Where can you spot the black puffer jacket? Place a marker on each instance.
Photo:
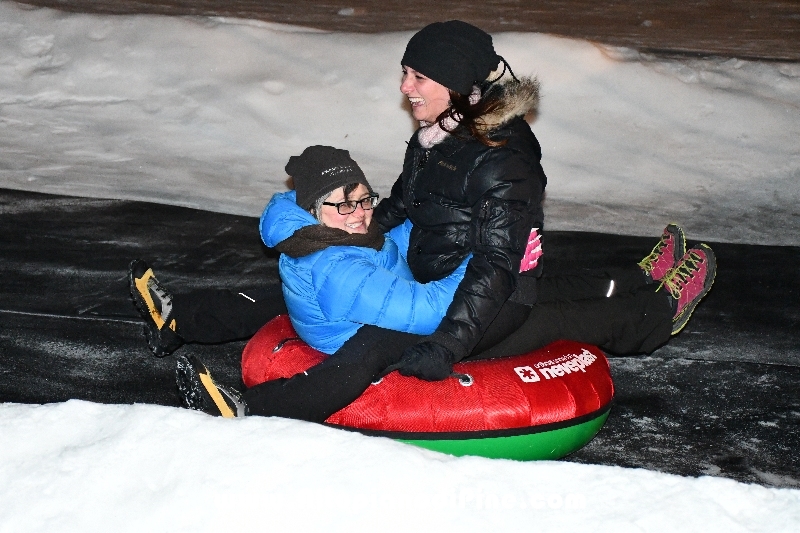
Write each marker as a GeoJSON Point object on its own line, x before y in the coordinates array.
{"type": "Point", "coordinates": [465, 197]}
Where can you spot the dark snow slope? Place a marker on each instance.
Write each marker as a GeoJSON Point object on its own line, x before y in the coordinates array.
{"type": "Point", "coordinates": [721, 398]}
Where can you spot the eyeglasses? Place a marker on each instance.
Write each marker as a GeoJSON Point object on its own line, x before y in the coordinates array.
{"type": "Point", "coordinates": [350, 206]}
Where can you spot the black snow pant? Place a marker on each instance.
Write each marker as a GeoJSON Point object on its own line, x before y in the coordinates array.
{"type": "Point", "coordinates": [323, 389]}
{"type": "Point", "coordinates": [626, 316]}
{"type": "Point", "coordinates": [620, 312]}
{"type": "Point", "coordinates": [211, 316]}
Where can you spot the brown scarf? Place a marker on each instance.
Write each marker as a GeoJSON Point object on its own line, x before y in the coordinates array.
{"type": "Point", "coordinates": [310, 239]}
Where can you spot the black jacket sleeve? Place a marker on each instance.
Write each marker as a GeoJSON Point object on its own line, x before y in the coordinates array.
{"type": "Point", "coordinates": [391, 211]}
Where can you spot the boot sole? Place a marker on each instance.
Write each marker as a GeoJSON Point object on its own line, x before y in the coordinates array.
{"type": "Point", "coordinates": [198, 390]}
{"type": "Point", "coordinates": [139, 300]}
{"type": "Point", "coordinates": [679, 237]}
{"type": "Point", "coordinates": [680, 241]}
{"type": "Point", "coordinates": [189, 386]}
{"type": "Point", "coordinates": [159, 346]}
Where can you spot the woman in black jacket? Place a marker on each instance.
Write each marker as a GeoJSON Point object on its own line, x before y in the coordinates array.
{"type": "Point", "coordinates": [472, 183]}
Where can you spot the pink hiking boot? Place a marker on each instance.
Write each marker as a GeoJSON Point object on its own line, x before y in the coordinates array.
{"type": "Point", "coordinates": [665, 254]}
{"type": "Point", "coordinates": [689, 281]}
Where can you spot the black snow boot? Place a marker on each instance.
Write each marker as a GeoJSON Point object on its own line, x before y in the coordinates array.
{"type": "Point", "coordinates": [200, 392]}
{"type": "Point", "coordinates": [154, 303]}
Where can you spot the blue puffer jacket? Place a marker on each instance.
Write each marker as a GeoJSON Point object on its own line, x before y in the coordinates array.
{"type": "Point", "coordinates": [333, 292]}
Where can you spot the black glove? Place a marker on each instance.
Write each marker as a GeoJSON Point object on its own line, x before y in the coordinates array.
{"type": "Point", "coordinates": [426, 360]}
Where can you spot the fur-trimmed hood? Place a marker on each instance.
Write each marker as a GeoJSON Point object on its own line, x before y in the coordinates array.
{"type": "Point", "coordinates": [519, 98]}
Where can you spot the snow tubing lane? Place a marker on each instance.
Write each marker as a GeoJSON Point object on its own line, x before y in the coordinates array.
{"type": "Point", "coordinates": [541, 405]}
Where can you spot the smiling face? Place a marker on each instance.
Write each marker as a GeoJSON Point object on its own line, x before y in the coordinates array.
{"type": "Point", "coordinates": [428, 98]}
{"type": "Point", "coordinates": [356, 222]}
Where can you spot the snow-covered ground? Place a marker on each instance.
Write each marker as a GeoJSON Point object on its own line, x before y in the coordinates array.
{"type": "Point", "coordinates": [86, 467]}
{"type": "Point", "coordinates": [205, 113]}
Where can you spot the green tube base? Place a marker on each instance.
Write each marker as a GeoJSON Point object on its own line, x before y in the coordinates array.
{"type": "Point", "coordinates": [543, 445]}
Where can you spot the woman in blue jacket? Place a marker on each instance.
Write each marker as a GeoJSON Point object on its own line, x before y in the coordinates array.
{"type": "Point", "coordinates": [332, 288]}
{"type": "Point", "coordinates": [340, 275]}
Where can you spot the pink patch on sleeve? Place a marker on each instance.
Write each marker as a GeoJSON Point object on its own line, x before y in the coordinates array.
{"type": "Point", "coordinates": [532, 252]}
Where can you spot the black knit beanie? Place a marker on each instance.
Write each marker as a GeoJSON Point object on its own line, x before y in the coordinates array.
{"type": "Point", "coordinates": [453, 53]}
{"type": "Point", "coordinates": [319, 170]}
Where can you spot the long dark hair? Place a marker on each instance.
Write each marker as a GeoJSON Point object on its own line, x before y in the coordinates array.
{"type": "Point", "coordinates": [471, 116]}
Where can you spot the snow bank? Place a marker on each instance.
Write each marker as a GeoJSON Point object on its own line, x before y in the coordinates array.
{"type": "Point", "coordinates": [205, 113]}
{"type": "Point", "coordinates": [80, 466]}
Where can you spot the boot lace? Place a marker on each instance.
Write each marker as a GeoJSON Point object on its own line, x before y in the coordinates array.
{"type": "Point", "coordinates": [648, 263]}
{"type": "Point", "coordinates": [676, 279]}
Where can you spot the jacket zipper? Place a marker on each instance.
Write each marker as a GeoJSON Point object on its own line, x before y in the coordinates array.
{"type": "Point", "coordinates": [420, 164]}
{"type": "Point", "coordinates": [484, 216]}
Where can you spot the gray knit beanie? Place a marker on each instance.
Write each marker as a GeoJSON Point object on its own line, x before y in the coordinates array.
{"type": "Point", "coordinates": [319, 170]}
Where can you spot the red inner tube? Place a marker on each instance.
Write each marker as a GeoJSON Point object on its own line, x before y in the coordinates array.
{"type": "Point", "coordinates": [561, 382]}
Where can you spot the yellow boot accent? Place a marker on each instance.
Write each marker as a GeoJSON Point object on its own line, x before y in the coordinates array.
{"type": "Point", "coordinates": [172, 325]}
{"type": "Point", "coordinates": [219, 401]}
{"type": "Point", "coordinates": [144, 292]}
